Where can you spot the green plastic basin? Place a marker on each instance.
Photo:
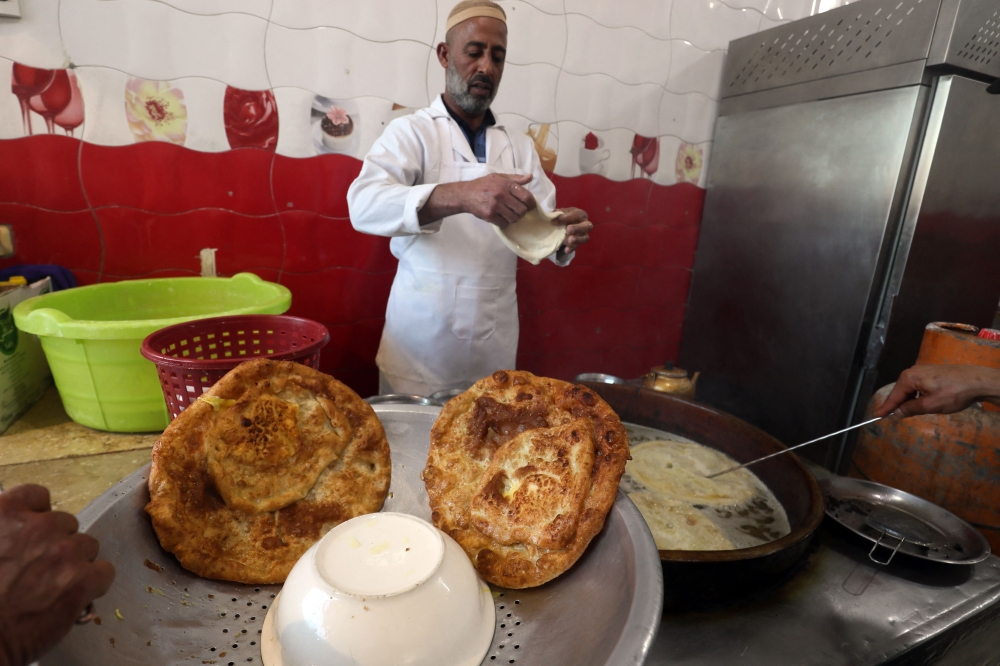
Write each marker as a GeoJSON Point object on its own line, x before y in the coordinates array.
{"type": "Point", "coordinates": [92, 335]}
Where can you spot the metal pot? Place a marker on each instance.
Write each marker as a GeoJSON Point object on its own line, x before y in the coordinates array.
{"type": "Point", "coordinates": [692, 576]}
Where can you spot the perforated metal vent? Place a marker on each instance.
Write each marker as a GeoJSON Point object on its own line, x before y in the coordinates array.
{"type": "Point", "coordinates": [983, 46]}
{"type": "Point", "coordinates": [853, 38]}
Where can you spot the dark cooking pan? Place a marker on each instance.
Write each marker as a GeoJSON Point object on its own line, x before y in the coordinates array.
{"type": "Point", "coordinates": [694, 576]}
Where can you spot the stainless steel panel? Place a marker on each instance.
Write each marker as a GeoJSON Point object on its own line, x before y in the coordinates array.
{"type": "Point", "coordinates": [968, 36]}
{"type": "Point", "coordinates": [789, 258]}
{"type": "Point", "coordinates": [952, 270]}
{"type": "Point", "coordinates": [857, 37]}
{"type": "Point", "coordinates": [884, 78]}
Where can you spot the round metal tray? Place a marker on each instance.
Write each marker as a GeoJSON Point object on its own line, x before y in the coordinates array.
{"type": "Point", "coordinates": [604, 611]}
{"type": "Point", "coordinates": [900, 522]}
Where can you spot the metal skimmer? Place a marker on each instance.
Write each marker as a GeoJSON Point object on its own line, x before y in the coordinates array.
{"type": "Point", "coordinates": [604, 611]}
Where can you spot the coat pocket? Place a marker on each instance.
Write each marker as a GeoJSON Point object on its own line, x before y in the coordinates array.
{"type": "Point", "coordinates": [475, 312]}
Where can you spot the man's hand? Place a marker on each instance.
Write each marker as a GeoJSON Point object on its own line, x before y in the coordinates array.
{"type": "Point", "coordinates": [497, 198]}
{"type": "Point", "coordinates": [578, 228]}
{"type": "Point", "coordinates": [47, 574]}
{"type": "Point", "coordinates": [941, 389]}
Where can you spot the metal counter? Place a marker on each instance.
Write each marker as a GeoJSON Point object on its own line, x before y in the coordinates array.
{"type": "Point", "coordinates": [840, 608]}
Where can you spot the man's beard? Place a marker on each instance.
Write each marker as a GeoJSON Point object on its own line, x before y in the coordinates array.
{"type": "Point", "coordinates": [473, 105]}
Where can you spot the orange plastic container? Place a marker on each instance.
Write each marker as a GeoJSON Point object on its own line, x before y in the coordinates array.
{"type": "Point", "coordinates": [952, 460]}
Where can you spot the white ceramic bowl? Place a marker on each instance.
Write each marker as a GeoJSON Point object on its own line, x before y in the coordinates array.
{"type": "Point", "coordinates": [385, 589]}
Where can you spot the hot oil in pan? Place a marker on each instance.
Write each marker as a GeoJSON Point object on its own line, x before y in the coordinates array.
{"type": "Point", "coordinates": [752, 522]}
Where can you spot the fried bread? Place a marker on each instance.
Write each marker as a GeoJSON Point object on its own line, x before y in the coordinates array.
{"type": "Point", "coordinates": [521, 472]}
{"type": "Point", "coordinates": [260, 467]}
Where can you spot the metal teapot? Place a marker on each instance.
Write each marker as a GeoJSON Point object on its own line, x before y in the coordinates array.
{"type": "Point", "coordinates": [668, 379]}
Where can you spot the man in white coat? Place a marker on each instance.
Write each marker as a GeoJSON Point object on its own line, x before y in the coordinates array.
{"type": "Point", "coordinates": [436, 181]}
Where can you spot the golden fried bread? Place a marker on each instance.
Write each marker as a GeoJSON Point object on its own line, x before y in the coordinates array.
{"type": "Point", "coordinates": [255, 471]}
{"type": "Point", "coordinates": [522, 471]}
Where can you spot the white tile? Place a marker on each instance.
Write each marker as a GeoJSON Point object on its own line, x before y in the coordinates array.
{"type": "Point", "coordinates": [103, 93]}
{"type": "Point", "coordinates": [627, 54]}
{"type": "Point", "coordinates": [792, 10]}
{"type": "Point", "coordinates": [528, 90]}
{"type": "Point", "coordinates": [695, 70]}
{"type": "Point", "coordinates": [690, 117]}
{"type": "Point", "coordinates": [434, 77]}
{"type": "Point", "coordinates": [759, 5]}
{"type": "Point", "coordinates": [204, 99]}
{"type": "Point", "coordinates": [34, 38]}
{"type": "Point", "coordinates": [601, 102]}
{"type": "Point", "coordinates": [338, 64]}
{"type": "Point", "coordinates": [768, 23]}
{"type": "Point", "coordinates": [652, 16]}
{"type": "Point", "coordinates": [375, 20]}
{"type": "Point", "coordinates": [261, 8]}
{"type": "Point", "coordinates": [555, 7]}
{"type": "Point", "coordinates": [155, 41]}
{"type": "Point", "coordinates": [534, 36]}
{"type": "Point", "coordinates": [294, 107]}
{"type": "Point", "coordinates": [11, 124]}
{"type": "Point", "coordinates": [710, 24]}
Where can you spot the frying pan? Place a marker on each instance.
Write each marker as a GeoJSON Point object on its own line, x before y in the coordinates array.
{"type": "Point", "coordinates": [692, 577]}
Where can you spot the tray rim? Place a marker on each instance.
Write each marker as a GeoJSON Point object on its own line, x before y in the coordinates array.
{"type": "Point", "coordinates": [645, 611]}
{"type": "Point", "coordinates": [865, 489]}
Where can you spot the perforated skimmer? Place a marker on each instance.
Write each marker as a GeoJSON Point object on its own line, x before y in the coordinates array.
{"type": "Point", "coordinates": [604, 611]}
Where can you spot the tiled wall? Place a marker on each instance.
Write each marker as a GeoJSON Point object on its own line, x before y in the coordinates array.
{"type": "Point", "coordinates": [184, 124]}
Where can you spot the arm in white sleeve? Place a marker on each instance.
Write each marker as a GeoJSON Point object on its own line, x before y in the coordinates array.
{"type": "Point", "coordinates": [389, 192]}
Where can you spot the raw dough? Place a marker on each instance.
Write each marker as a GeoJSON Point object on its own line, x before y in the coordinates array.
{"type": "Point", "coordinates": [533, 237]}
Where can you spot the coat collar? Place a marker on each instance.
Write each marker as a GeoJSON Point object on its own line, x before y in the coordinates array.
{"type": "Point", "coordinates": [494, 145]}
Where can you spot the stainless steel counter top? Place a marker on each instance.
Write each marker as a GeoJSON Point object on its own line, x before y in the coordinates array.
{"type": "Point", "coordinates": [842, 609]}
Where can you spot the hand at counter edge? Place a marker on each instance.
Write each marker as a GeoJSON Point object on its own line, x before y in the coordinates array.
{"type": "Point", "coordinates": [941, 389]}
{"type": "Point", "coordinates": [49, 573]}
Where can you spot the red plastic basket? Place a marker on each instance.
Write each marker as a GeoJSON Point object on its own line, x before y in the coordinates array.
{"type": "Point", "coordinates": [192, 356]}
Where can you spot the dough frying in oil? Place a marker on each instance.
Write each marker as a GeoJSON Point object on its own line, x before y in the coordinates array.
{"type": "Point", "coordinates": [677, 526]}
{"type": "Point", "coordinates": [676, 471]}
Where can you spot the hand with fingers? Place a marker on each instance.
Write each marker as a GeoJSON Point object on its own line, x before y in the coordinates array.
{"type": "Point", "coordinates": [498, 198]}
{"type": "Point", "coordinates": [941, 389]}
{"type": "Point", "coordinates": [578, 228]}
{"type": "Point", "coordinates": [49, 574]}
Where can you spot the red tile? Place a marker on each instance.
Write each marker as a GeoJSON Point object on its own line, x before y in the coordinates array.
{"type": "Point", "coordinates": [354, 345]}
{"type": "Point", "coordinates": [159, 177]}
{"type": "Point", "coordinates": [339, 295]}
{"type": "Point", "coordinates": [606, 200]}
{"type": "Point", "coordinates": [663, 286]}
{"type": "Point", "coordinates": [548, 286]}
{"type": "Point", "coordinates": [318, 184]}
{"type": "Point", "coordinates": [42, 171]}
{"type": "Point", "coordinates": [315, 243]}
{"type": "Point", "coordinates": [138, 243]}
{"type": "Point", "coordinates": [678, 206]}
{"type": "Point", "coordinates": [363, 381]}
{"type": "Point", "coordinates": [670, 246]}
{"type": "Point", "coordinates": [614, 244]}
{"type": "Point", "coordinates": [84, 278]}
{"type": "Point", "coordinates": [48, 237]}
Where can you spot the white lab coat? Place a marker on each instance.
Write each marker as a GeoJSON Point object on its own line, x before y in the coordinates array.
{"type": "Point", "coordinates": [452, 312]}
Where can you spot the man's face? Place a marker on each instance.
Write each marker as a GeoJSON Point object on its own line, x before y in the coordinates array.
{"type": "Point", "coordinates": [474, 57]}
